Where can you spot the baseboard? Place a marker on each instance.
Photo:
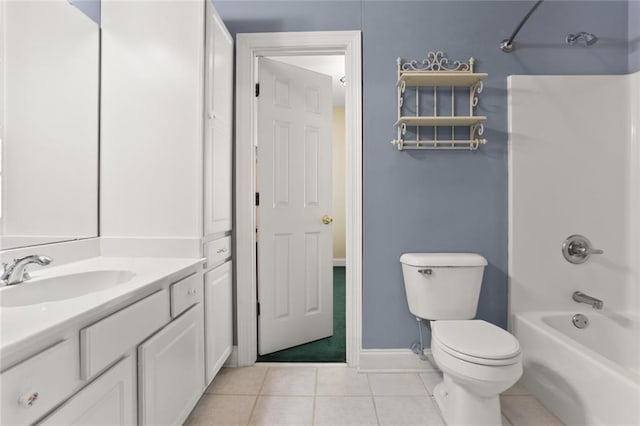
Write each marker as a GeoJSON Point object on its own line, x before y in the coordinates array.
{"type": "Point", "coordinates": [339, 262]}
{"type": "Point", "coordinates": [232, 360]}
{"type": "Point", "coordinates": [395, 360]}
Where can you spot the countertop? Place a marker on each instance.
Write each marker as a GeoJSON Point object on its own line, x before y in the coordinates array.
{"type": "Point", "coordinates": [21, 325]}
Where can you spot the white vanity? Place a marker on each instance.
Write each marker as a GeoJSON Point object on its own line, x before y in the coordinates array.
{"type": "Point", "coordinates": [133, 322]}
{"type": "Point", "coordinates": [129, 352]}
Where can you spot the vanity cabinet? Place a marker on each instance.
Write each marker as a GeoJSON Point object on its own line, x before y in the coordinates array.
{"type": "Point", "coordinates": [218, 317]}
{"type": "Point", "coordinates": [144, 363]}
{"type": "Point", "coordinates": [33, 387]}
{"type": "Point", "coordinates": [171, 370]}
{"type": "Point", "coordinates": [108, 400]}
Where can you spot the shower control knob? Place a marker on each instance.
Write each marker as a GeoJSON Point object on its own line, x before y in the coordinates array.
{"type": "Point", "coordinates": [577, 249]}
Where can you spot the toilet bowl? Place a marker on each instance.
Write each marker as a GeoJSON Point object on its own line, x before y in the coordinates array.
{"type": "Point", "coordinates": [478, 360]}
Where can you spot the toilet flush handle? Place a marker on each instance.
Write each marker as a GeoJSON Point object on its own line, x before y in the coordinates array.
{"type": "Point", "coordinates": [427, 271]}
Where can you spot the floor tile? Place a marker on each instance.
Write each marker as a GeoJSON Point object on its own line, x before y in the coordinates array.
{"type": "Point", "coordinates": [291, 381]}
{"type": "Point", "coordinates": [407, 410]}
{"type": "Point", "coordinates": [283, 410]}
{"type": "Point", "coordinates": [238, 381]}
{"type": "Point", "coordinates": [344, 410]}
{"type": "Point", "coordinates": [227, 410]}
{"type": "Point", "coordinates": [342, 381]}
{"type": "Point", "coordinates": [517, 389]}
{"type": "Point", "coordinates": [431, 379]}
{"type": "Point", "coordinates": [527, 411]}
{"type": "Point", "coordinates": [397, 384]}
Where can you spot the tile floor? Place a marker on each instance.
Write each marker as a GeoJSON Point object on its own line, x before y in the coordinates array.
{"type": "Point", "coordinates": [337, 395]}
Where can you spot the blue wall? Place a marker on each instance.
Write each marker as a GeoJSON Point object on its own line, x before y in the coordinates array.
{"type": "Point", "coordinates": [441, 201]}
{"type": "Point", "coordinates": [634, 35]}
{"type": "Point", "coordinates": [91, 8]}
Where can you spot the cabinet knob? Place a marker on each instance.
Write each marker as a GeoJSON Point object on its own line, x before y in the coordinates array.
{"type": "Point", "coordinates": [222, 250]}
{"type": "Point", "coordinates": [28, 399]}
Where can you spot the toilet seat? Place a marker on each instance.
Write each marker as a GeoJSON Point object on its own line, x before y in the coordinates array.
{"type": "Point", "coordinates": [476, 341]}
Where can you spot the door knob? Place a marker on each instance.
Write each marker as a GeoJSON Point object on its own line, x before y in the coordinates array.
{"type": "Point", "coordinates": [326, 219]}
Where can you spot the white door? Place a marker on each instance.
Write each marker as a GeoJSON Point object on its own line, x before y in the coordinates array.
{"type": "Point", "coordinates": [294, 180]}
{"type": "Point", "coordinates": [109, 400]}
{"type": "Point", "coordinates": [171, 370]}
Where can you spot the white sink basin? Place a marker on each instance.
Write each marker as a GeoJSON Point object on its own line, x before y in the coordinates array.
{"type": "Point", "coordinates": [61, 287]}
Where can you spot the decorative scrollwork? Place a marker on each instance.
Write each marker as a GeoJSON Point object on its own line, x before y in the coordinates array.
{"type": "Point", "coordinates": [477, 130]}
{"type": "Point", "coordinates": [436, 61]}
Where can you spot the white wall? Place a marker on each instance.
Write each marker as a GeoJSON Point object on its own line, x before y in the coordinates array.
{"type": "Point", "coordinates": [151, 146]}
{"type": "Point", "coordinates": [571, 164]}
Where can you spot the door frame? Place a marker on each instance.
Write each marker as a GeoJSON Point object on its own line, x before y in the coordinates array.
{"type": "Point", "coordinates": [248, 48]}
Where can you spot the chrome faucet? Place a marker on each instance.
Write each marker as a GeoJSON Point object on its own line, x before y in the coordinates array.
{"type": "Point", "coordinates": [17, 273]}
{"type": "Point", "coordinates": [580, 297]}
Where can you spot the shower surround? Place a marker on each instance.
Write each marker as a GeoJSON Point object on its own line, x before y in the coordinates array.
{"type": "Point", "coordinates": [574, 168]}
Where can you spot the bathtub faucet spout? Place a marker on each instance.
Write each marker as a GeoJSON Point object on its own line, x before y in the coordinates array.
{"type": "Point", "coordinates": [580, 297]}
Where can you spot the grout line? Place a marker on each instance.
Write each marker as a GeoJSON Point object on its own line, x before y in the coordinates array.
{"type": "Point", "coordinates": [315, 393]}
{"type": "Point", "coordinates": [255, 403]}
{"type": "Point", "coordinates": [373, 400]}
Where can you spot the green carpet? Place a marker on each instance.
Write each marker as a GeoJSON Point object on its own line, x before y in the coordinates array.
{"type": "Point", "coordinates": [330, 349]}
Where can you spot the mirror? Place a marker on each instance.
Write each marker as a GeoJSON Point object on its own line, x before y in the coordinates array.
{"type": "Point", "coordinates": [49, 117]}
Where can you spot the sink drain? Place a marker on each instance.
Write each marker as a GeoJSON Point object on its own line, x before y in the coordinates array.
{"type": "Point", "coordinates": [580, 320]}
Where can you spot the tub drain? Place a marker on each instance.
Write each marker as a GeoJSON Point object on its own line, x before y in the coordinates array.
{"type": "Point", "coordinates": [580, 320]}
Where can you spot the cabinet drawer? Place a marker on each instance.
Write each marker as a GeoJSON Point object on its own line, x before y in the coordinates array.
{"type": "Point", "coordinates": [105, 341]}
{"type": "Point", "coordinates": [185, 293]}
{"type": "Point", "coordinates": [108, 400]}
{"type": "Point", "coordinates": [43, 381]}
{"type": "Point", "coordinates": [217, 251]}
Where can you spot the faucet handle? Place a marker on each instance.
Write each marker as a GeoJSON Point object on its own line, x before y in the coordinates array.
{"type": "Point", "coordinates": [577, 249]}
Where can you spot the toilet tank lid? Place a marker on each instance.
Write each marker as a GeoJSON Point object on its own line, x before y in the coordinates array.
{"type": "Point", "coordinates": [443, 259]}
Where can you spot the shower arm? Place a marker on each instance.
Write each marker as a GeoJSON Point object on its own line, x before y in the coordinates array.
{"type": "Point", "coordinates": [506, 45]}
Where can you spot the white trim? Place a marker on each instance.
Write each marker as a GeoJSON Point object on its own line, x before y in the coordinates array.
{"type": "Point", "coordinates": [248, 48]}
{"type": "Point", "coordinates": [509, 203]}
{"type": "Point", "coordinates": [395, 360]}
{"type": "Point", "coordinates": [339, 262]}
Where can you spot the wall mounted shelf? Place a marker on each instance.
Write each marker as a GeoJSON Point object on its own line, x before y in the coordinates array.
{"type": "Point", "coordinates": [440, 121]}
{"type": "Point", "coordinates": [428, 78]}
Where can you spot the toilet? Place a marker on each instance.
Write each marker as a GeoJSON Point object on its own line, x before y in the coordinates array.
{"type": "Point", "coordinates": [478, 360]}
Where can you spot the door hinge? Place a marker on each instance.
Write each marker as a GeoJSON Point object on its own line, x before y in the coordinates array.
{"type": "Point", "coordinates": [257, 198]}
{"type": "Point", "coordinates": [258, 308]}
{"type": "Point", "coordinates": [257, 89]}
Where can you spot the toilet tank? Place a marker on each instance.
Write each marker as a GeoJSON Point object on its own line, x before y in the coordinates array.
{"type": "Point", "coordinates": [442, 286]}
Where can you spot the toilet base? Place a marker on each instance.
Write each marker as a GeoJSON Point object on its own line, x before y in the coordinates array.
{"type": "Point", "coordinates": [459, 407]}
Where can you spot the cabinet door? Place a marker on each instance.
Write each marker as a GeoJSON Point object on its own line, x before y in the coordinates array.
{"type": "Point", "coordinates": [218, 124]}
{"type": "Point", "coordinates": [171, 370]}
{"type": "Point", "coordinates": [218, 317]}
{"type": "Point", "coordinates": [109, 400]}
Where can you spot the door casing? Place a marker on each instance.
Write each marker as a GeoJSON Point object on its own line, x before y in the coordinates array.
{"type": "Point", "coordinates": [248, 48]}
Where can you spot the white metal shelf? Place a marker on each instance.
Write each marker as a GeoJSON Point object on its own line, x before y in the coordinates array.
{"type": "Point", "coordinates": [434, 72]}
{"type": "Point", "coordinates": [440, 78]}
{"type": "Point", "coordinates": [440, 121]}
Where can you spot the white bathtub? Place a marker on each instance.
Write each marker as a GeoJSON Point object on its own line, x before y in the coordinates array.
{"type": "Point", "coordinates": [588, 376]}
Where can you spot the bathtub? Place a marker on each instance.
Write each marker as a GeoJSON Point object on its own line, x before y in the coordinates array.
{"type": "Point", "coordinates": [588, 376]}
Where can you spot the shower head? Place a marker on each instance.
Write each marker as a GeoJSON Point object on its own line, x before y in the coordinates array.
{"type": "Point", "coordinates": [588, 38]}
